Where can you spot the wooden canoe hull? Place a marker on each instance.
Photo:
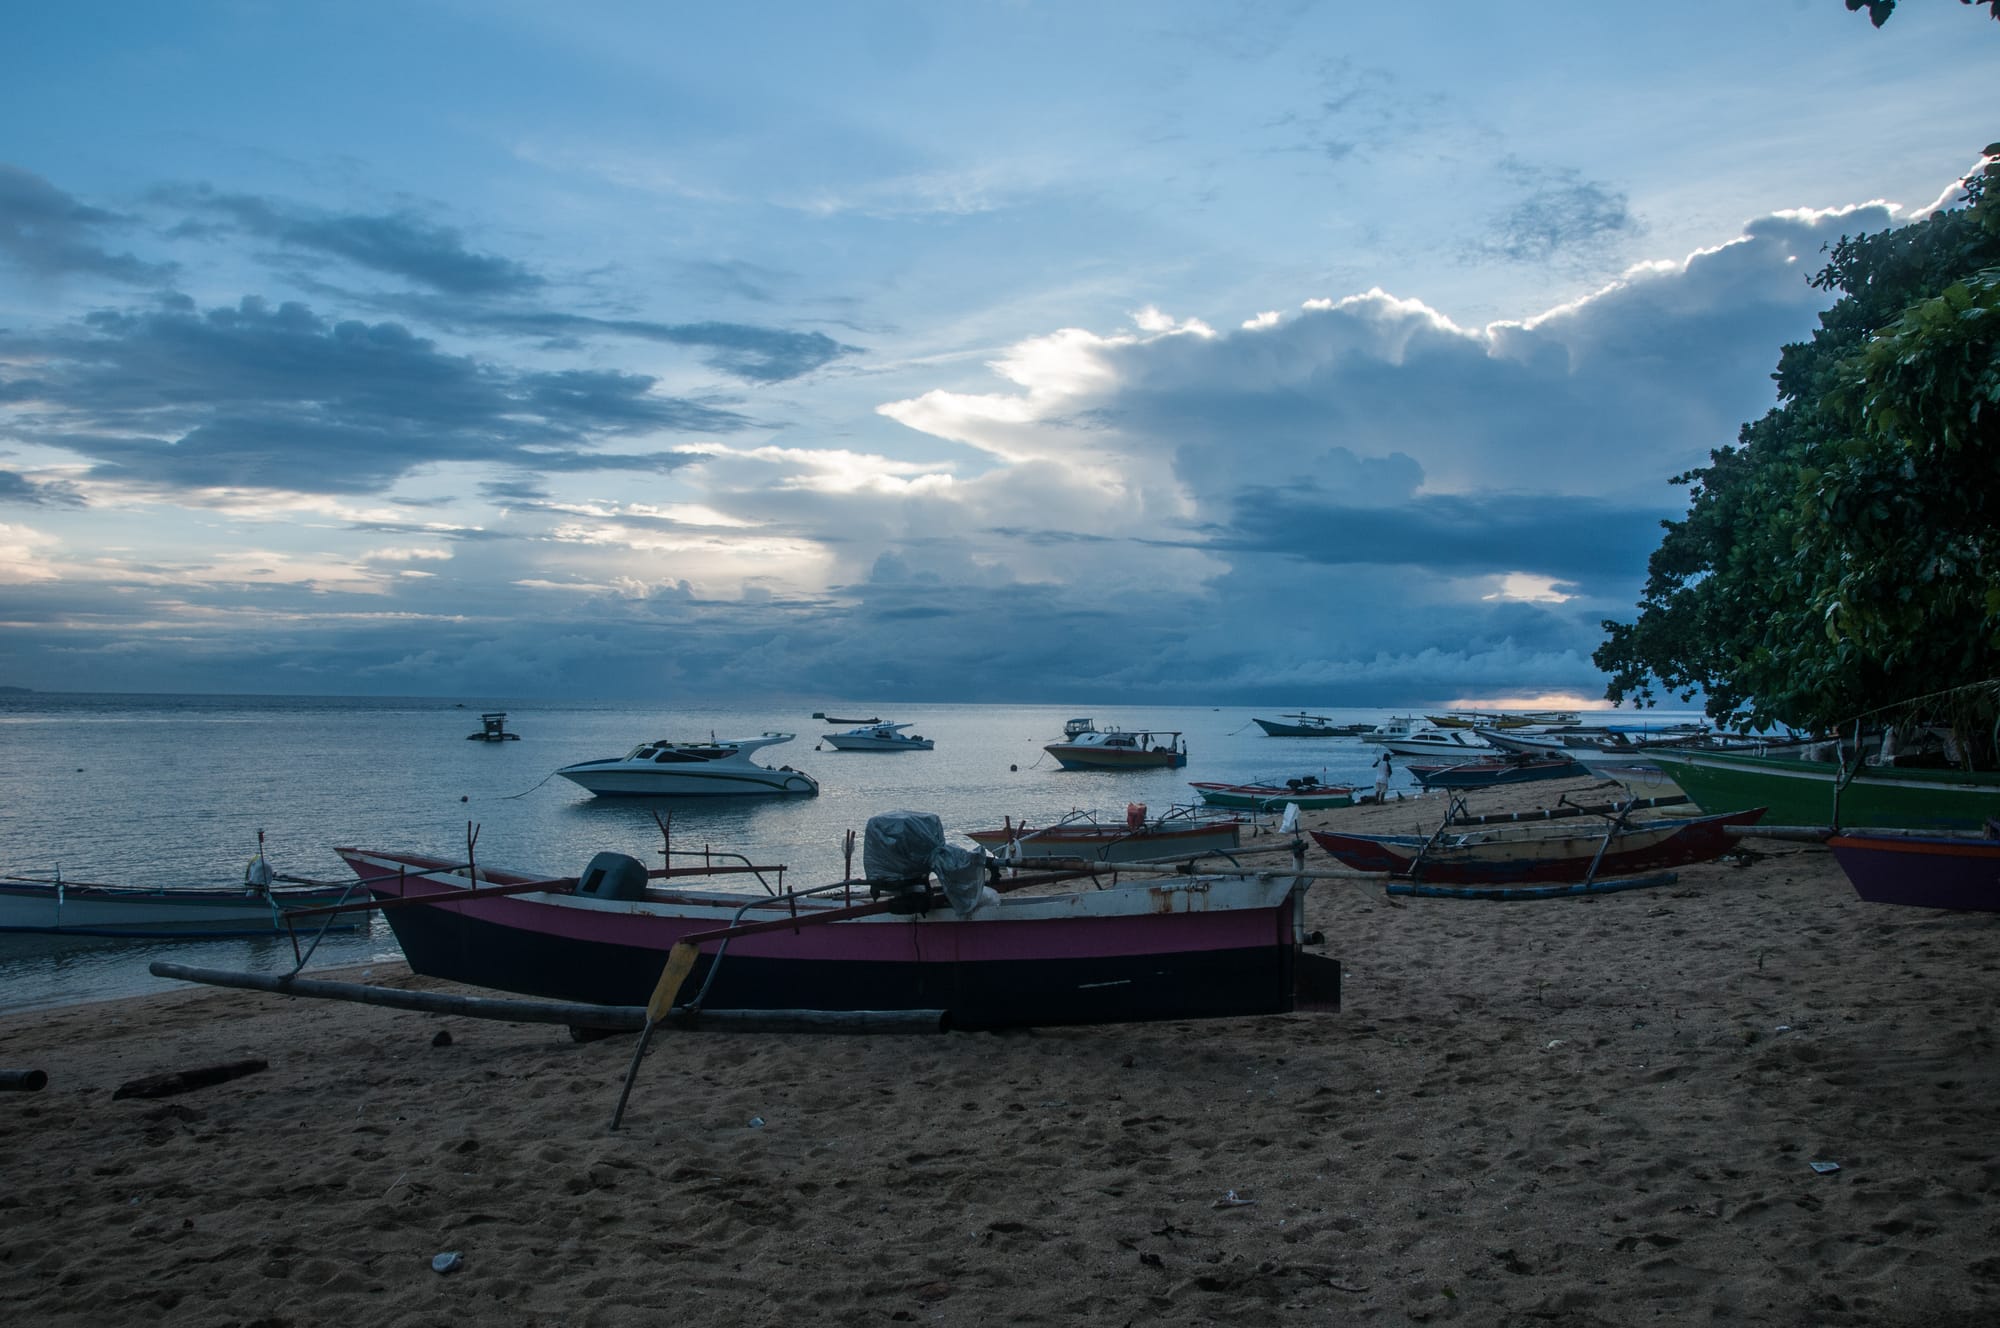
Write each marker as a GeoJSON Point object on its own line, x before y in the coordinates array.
{"type": "Point", "coordinates": [1178, 949]}
{"type": "Point", "coordinates": [1511, 854]}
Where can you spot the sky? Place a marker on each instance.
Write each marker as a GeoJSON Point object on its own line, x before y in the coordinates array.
{"type": "Point", "coordinates": [1268, 354]}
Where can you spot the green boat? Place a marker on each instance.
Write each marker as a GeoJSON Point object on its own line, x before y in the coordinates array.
{"type": "Point", "coordinates": [1799, 792]}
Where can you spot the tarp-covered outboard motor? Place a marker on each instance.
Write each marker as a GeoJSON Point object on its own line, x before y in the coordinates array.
{"type": "Point", "coordinates": [901, 850]}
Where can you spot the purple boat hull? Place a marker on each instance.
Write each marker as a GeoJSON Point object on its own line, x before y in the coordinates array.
{"type": "Point", "coordinates": [1212, 947]}
{"type": "Point", "coordinates": [1922, 871]}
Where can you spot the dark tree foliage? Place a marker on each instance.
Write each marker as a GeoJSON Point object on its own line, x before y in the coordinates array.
{"type": "Point", "coordinates": [1879, 10]}
{"type": "Point", "coordinates": [1843, 558]}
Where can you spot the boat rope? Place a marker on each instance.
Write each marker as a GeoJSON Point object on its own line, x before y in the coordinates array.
{"type": "Point", "coordinates": [526, 791]}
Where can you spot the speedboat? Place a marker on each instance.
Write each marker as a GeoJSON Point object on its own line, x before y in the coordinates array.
{"type": "Point", "coordinates": [1440, 744]}
{"type": "Point", "coordinates": [878, 737]}
{"type": "Point", "coordinates": [715, 768]}
{"type": "Point", "coordinates": [1086, 747]}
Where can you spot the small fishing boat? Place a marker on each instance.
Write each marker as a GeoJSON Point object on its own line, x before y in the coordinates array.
{"type": "Point", "coordinates": [1302, 725]}
{"type": "Point", "coordinates": [493, 728]}
{"type": "Point", "coordinates": [878, 737]}
{"type": "Point", "coordinates": [1506, 854]}
{"type": "Point", "coordinates": [258, 907]}
{"type": "Point", "coordinates": [1493, 771]}
{"type": "Point", "coordinates": [1305, 790]}
{"type": "Point", "coordinates": [1922, 871]}
{"type": "Point", "coordinates": [1082, 835]}
{"type": "Point", "coordinates": [1084, 746]}
{"type": "Point", "coordinates": [716, 768]}
{"type": "Point", "coordinates": [838, 719]}
{"type": "Point", "coordinates": [1171, 947]}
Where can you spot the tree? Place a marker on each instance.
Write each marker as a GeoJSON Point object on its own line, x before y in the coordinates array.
{"type": "Point", "coordinates": [1845, 554]}
{"type": "Point", "coordinates": [1879, 10]}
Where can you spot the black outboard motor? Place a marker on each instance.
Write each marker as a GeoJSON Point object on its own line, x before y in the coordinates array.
{"type": "Point", "coordinates": [613, 876]}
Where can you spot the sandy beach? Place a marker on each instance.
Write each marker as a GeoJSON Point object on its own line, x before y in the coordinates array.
{"type": "Point", "coordinates": [1571, 1112]}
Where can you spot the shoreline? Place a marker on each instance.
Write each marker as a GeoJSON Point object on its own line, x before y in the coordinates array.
{"type": "Point", "coordinates": [1578, 1111]}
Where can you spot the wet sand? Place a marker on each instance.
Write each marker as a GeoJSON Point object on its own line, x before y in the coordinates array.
{"type": "Point", "coordinates": [1573, 1112]}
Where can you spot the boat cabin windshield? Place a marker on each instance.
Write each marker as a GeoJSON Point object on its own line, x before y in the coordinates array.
{"type": "Point", "coordinates": [664, 753]}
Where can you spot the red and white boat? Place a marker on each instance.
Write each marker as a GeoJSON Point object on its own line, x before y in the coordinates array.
{"type": "Point", "coordinates": [1166, 948]}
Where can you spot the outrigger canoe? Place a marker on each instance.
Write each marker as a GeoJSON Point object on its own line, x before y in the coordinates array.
{"type": "Point", "coordinates": [1504, 855]}
{"type": "Point", "coordinates": [1178, 947]}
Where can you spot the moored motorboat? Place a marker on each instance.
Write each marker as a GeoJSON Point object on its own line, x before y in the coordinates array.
{"type": "Point", "coordinates": [878, 737]}
{"type": "Point", "coordinates": [715, 768]}
{"type": "Point", "coordinates": [1304, 790]}
{"type": "Point", "coordinates": [1500, 855]}
{"type": "Point", "coordinates": [1168, 948]}
{"type": "Point", "coordinates": [1084, 746]}
{"type": "Point", "coordinates": [1438, 744]}
{"type": "Point", "coordinates": [1922, 871]}
{"type": "Point", "coordinates": [1302, 725]}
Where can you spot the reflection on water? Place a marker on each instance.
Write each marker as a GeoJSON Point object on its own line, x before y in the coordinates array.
{"type": "Point", "coordinates": [41, 971]}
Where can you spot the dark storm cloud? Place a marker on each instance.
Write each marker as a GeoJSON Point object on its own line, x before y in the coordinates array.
{"type": "Point", "coordinates": [401, 244]}
{"type": "Point", "coordinates": [1560, 216]}
{"type": "Point", "coordinates": [15, 488]}
{"type": "Point", "coordinates": [281, 398]}
{"type": "Point", "coordinates": [1568, 539]}
{"type": "Point", "coordinates": [48, 233]}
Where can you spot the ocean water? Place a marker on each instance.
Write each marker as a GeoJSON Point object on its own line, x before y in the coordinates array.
{"type": "Point", "coordinates": [164, 790]}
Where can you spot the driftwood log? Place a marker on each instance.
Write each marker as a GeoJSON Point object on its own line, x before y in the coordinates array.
{"type": "Point", "coordinates": [181, 1081]}
{"type": "Point", "coordinates": [614, 1018]}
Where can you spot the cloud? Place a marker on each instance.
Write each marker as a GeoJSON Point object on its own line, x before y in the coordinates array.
{"type": "Point", "coordinates": [401, 244]}
{"type": "Point", "coordinates": [1560, 218]}
{"type": "Point", "coordinates": [280, 398]}
{"type": "Point", "coordinates": [48, 233]}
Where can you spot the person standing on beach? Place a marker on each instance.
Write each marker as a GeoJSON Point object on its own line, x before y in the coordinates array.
{"type": "Point", "coordinates": [1382, 773]}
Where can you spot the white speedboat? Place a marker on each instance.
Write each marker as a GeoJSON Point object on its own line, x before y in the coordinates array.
{"type": "Point", "coordinates": [716, 768]}
{"type": "Point", "coordinates": [878, 737]}
{"type": "Point", "coordinates": [1438, 744]}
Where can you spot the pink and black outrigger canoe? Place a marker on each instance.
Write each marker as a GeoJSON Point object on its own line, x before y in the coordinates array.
{"type": "Point", "coordinates": [1511, 854]}
{"type": "Point", "coordinates": [1173, 948]}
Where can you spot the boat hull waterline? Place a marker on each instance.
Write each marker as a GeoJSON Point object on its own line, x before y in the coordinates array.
{"type": "Point", "coordinates": [1186, 948]}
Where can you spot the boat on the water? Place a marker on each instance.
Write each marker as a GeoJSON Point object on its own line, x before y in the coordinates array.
{"type": "Point", "coordinates": [1438, 744]}
{"type": "Point", "coordinates": [260, 906]}
{"type": "Point", "coordinates": [1493, 771]}
{"type": "Point", "coordinates": [839, 719]}
{"type": "Point", "coordinates": [1302, 725]}
{"type": "Point", "coordinates": [1922, 871]}
{"type": "Point", "coordinates": [1084, 746]}
{"type": "Point", "coordinates": [493, 728]}
{"type": "Point", "coordinates": [715, 768]}
{"type": "Point", "coordinates": [1504, 854]}
{"type": "Point", "coordinates": [1135, 839]}
{"type": "Point", "coordinates": [1305, 790]}
{"type": "Point", "coordinates": [878, 737]}
{"type": "Point", "coordinates": [1171, 947]}
{"type": "Point", "coordinates": [1825, 793]}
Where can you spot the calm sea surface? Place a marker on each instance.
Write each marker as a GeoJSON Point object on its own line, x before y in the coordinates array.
{"type": "Point", "coordinates": [160, 790]}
